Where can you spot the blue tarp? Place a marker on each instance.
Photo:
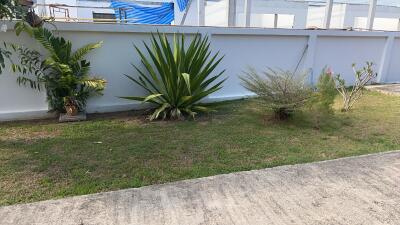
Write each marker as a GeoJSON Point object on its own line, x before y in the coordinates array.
{"type": "Point", "coordinates": [182, 4]}
{"type": "Point", "coordinates": [135, 13]}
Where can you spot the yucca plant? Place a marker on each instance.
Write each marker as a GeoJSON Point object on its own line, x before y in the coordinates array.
{"type": "Point", "coordinates": [177, 78]}
{"type": "Point", "coordinates": [63, 73]}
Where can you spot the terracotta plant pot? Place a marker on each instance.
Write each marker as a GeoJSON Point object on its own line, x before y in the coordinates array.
{"type": "Point", "coordinates": [71, 110]}
{"type": "Point", "coordinates": [33, 19]}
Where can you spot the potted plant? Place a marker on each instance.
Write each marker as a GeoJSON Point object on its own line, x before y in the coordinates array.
{"type": "Point", "coordinates": [71, 106]}
{"type": "Point", "coordinates": [63, 73]}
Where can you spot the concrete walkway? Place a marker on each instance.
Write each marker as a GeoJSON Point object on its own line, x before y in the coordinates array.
{"type": "Point", "coordinates": [359, 190]}
{"type": "Point", "coordinates": [389, 89]}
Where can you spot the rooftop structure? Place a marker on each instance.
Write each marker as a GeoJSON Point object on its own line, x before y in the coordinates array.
{"type": "Point", "coordinates": [297, 14]}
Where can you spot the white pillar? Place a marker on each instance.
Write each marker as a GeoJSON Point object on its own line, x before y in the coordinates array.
{"type": "Point", "coordinates": [398, 25]}
{"type": "Point", "coordinates": [385, 59]}
{"type": "Point", "coordinates": [328, 14]}
{"type": "Point", "coordinates": [309, 57]}
{"type": "Point", "coordinates": [200, 13]}
{"type": "Point", "coordinates": [247, 12]}
{"type": "Point", "coordinates": [275, 20]}
{"type": "Point", "coordinates": [231, 13]}
{"type": "Point", "coordinates": [371, 14]}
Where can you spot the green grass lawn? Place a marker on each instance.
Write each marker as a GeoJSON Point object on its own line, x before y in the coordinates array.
{"type": "Point", "coordinates": [43, 159]}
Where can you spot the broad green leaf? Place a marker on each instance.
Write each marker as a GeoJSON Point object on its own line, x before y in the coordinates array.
{"type": "Point", "coordinates": [186, 77]}
{"type": "Point", "coordinates": [151, 97]}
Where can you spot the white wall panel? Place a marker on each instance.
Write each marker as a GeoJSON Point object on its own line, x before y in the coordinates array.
{"type": "Point", "coordinates": [242, 47]}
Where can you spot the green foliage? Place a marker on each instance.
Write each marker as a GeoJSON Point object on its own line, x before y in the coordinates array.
{"type": "Point", "coordinates": [19, 9]}
{"type": "Point", "coordinates": [10, 9]}
{"type": "Point", "coordinates": [4, 54]}
{"type": "Point", "coordinates": [177, 78]}
{"type": "Point", "coordinates": [326, 92]}
{"type": "Point", "coordinates": [279, 90]}
{"type": "Point", "coordinates": [62, 72]}
{"type": "Point", "coordinates": [321, 104]}
{"type": "Point", "coordinates": [352, 94]}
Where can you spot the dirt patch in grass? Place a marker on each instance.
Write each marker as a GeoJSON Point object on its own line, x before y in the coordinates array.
{"type": "Point", "coordinates": [26, 134]}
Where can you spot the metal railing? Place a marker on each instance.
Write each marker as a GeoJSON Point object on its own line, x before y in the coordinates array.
{"type": "Point", "coordinates": [62, 12]}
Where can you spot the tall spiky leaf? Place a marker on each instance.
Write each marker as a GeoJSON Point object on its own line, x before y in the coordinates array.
{"type": "Point", "coordinates": [177, 78]}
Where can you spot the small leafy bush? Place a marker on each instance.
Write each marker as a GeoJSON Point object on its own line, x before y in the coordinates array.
{"type": "Point", "coordinates": [321, 104]}
{"type": "Point", "coordinates": [352, 94]}
{"type": "Point", "coordinates": [63, 73]}
{"type": "Point", "coordinates": [279, 90]}
{"type": "Point", "coordinates": [325, 92]}
{"type": "Point", "coordinates": [177, 78]}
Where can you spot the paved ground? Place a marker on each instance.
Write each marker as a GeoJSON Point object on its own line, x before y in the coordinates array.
{"type": "Point", "coordinates": [360, 190]}
{"type": "Point", "coordinates": [390, 89]}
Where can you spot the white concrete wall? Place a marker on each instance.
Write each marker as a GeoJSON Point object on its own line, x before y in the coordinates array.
{"type": "Point", "coordinates": [393, 73]}
{"type": "Point", "coordinates": [355, 15]}
{"type": "Point", "coordinates": [242, 47]}
{"type": "Point", "coordinates": [386, 17]}
{"type": "Point", "coordinates": [216, 13]}
{"type": "Point", "coordinates": [18, 102]}
{"type": "Point", "coordinates": [292, 14]}
{"type": "Point", "coordinates": [87, 13]}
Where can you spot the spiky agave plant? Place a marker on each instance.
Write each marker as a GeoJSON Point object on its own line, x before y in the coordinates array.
{"type": "Point", "coordinates": [177, 78]}
{"type": "Point", "coordinates": [63, 73]}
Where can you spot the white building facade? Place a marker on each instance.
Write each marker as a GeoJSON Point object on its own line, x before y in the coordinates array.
{"type": "Point", "coordinates": [236, 13]}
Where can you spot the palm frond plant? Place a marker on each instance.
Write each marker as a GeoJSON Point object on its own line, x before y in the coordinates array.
{"type": "Point", "coordinates": [278, 90]}
{"type": "Point", "coordinates": [63, 73]}
{"type": "Point", "coordinates": [177, 77]}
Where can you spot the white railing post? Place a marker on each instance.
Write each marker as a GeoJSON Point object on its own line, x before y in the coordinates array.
{"type": "Point", "coordinates": [275, 20]}
{"type": "Point", "coordinates": [200, 12]}
{"type": "Point", "coordinates": [328, 14]}
{"type": "Point", "coordinates": [186, 12]}
{"type": "Point", "coordinates": [247, 12]}
{"type": "Point", "coordinates": [398, 25]}
{"type": "Point", "coordinates": [231, 13]}
{"type": "Point", "coordinates": [371, 14]}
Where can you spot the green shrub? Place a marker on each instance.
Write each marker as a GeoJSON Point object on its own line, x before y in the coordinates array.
{"type": "Point", "coordinates": [177, 78]}
{"type": "Point", "coordinates": [63, 73]}
{"type": "Point", "coordinates": [323, 99]}
{"type": "Point", "coordinates": [326, 92]}
{"type": "Point", "coordinates": [281, 91]}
